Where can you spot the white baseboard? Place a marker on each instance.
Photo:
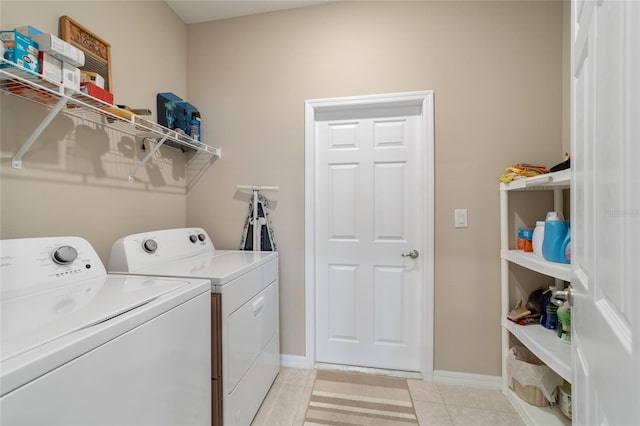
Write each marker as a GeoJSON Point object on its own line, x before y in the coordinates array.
{"type": "Point", "coordinates": [293, 361]}
{"type": "Point", "coordinates": [439, 376]}
{"type": "Point", "coordinates": [467, 379]}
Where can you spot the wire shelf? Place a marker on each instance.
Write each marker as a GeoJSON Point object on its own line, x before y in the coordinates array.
{"type": "Point", "coordinates": [23, 83]}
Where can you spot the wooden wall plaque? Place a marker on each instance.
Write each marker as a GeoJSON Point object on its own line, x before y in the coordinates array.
{"type": "Point", "coordinates": [97, 52]}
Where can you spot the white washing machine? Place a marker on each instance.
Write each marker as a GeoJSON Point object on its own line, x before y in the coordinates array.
{"type": "Point", "coordinates": [246, 285]}
{"type": "Point", "coordinates": [83, 347]}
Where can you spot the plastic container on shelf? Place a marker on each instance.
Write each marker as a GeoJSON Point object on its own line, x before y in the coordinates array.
{"type": "Point", "coordinates": [194, 126]}
{"type": "Point", "coordinates": [538, 238]}
{"type": "Point", "coordinates": [549, 318]}
{"type": "Point", "coordinates": [565, 248]}
{"type": "Point", "coordinates": [564, 399]}
{"type": "Point", "coordinates": [525, 236]}
{"type": "Point", "coordinates": [564, 322]}
{"type": "Point", "coordinates": [556, 238]}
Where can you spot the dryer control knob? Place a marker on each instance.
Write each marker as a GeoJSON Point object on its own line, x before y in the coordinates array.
{"type": "Point", "coordinates": [150, 246]}
{"type": "Point", "coordinates": [193, 238]}
{"type": "Point", "coordinates": [64, 255]}
{"type": "Point", "coordinates": [202, 237]}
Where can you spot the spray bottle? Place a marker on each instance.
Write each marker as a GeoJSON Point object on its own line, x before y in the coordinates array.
{"type": "Point", "coordinates": [194, 126]}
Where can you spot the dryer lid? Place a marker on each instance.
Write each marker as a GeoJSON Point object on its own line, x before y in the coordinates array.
{"type": "Point", "coordinates": [219, 268]}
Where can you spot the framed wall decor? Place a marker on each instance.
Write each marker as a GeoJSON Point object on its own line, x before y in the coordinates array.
{"type": "Point", "coordinates": [97, 52]}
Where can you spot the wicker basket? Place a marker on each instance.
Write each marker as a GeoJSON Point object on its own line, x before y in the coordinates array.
{"type": "Point", "coordinates": [530, 394]}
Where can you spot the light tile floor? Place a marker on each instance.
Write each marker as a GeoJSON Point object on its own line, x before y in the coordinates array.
{"type": "Point", "coordinates": [436, 404]}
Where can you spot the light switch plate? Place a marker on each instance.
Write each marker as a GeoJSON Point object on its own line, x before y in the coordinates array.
{"type": "Point", "coordinates": [460, 218]}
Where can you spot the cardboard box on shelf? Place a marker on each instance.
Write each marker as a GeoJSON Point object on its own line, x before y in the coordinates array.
{"type": "Point", "coordinates": [70, 77]}
{"type": "Point", "coordinates": [174, 113]}
{"type": "Point", "coordinates": [184, 110]}
{"type": "Point", "coordinates": [167, 109]}
{"type": "Point", "coordinates": [97, 92]}
{"type": "Point", "coordinates": [20, 50]}
{"type": "Point", "coordinates": [92, 77]}
{"type": "Point", "coordinates": [60, 49]}
{"type": "Point", "coordinates": [28, 30]}
{"type": "Point", "coordinates": [50, 67]}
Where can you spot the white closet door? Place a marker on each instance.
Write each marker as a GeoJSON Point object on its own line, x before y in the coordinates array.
{"type": "Point", "coordinates": [606, 212]}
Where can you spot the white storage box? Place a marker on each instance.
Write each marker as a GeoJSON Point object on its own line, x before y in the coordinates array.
{"type": "Point", "coordinates": [59, 48]}
{"type": "Point", "coordinates": [70, 77]}
{"type": "Point", "coordinates": [50, 67]}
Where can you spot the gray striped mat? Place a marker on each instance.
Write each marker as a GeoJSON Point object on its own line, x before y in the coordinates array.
{"type": "Point", "coordinates": [341, 398]}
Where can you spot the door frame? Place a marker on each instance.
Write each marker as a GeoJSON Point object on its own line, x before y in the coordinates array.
{"type": "Point", "coordinates": [313, 107]}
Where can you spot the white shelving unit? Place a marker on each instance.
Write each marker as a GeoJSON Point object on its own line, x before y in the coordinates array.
{"type": "Point", "coordinates": [20, 82]}
{"type": "Point", "coordinates": [542, 342]}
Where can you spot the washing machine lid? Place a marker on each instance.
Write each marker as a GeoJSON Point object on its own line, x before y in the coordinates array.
{"type": "Point", "coordinates": [32, 321]}
{"type": "Point", "coordinates": [47, 329]}
{"type": "Point", "coordinates": [220, 268]}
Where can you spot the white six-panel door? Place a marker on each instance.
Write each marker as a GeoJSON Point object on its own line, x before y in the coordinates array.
{"type": "Point", "coordinates": [369, 297]}
{"type": "Point", "coordinates": [606, 212]}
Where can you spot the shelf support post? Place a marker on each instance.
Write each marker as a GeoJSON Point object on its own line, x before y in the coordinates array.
{"type": "Point", "coordinates": [16, 163]}
{"type": "Point", "coordinates": [504, 280]}
{"type": "Point", "coordinates": [144, 160]}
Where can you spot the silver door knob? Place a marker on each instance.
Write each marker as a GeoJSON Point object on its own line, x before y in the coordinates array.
{"type": "Point", "coordinates": [561, 295]}
{"type": "Point", "coordinates": [411, 253]}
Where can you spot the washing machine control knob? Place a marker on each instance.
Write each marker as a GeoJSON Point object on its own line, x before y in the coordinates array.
{"type": "Point", "coordinates": [193, 238]}
{"type": "Point", "coordinates": [150, 246]}
{"type": "Point", "coordinates": [64, 255]}
{"type": "Point", "coordinates": [202, 237]}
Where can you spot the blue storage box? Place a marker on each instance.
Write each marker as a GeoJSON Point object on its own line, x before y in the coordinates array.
{"type": "Point", "coordinates": [168, 110]}
{"type": "Point", "coordinates": [184, 110]}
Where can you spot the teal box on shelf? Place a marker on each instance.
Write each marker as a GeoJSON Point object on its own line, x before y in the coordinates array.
{"type": "Point", "coordinates": [20, 50]}
{"type": "Point", "coordinates": [28, 30]}
{"type": "Point", "coordinates": [184, 112]}
{"type": "Point", "coordinates": [167, 104]}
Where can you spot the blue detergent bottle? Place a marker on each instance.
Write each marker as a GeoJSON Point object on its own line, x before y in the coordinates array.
{"type": "Point", "coordinates": [566, 244]}
{"type": "Point", "coordinates": [556, 238]}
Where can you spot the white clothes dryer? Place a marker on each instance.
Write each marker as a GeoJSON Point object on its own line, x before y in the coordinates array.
{"type": "Point", "coordinates": [244, 286]}
{"type": "Point", "coordinates": [83, 347]}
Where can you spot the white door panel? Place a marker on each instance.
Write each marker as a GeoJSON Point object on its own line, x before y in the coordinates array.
{"type": "Point", "coordinates": [606, 212]}
{"type": "Point", "coordinates": [342, 203]}
{"type": "Point", "coordinates": [389, 201]}
{"type": "Point", "coordinates": [368, 296]}
{"type": "Point", "coordinates": [342, 295]}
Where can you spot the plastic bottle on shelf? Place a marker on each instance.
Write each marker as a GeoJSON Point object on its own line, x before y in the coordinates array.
{"type": "Point", "coordinates": [564, 322]}
{"type": "Point", "coordinates": [565, 248]}
{"type": "Point", "coordinates": [556, 232]}
{"type": "Point", "coordinates": [538, 238]}
{"type": "Point", "coordinates": [549, 317]}
{"type": "Point", "coordinates": [194, 126]}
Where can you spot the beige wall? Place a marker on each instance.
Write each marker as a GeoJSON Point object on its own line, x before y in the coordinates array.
{"type": "Point", "coordinates": [495, 68]}
{"type": "Point", "coordinates": [74, 180]}
{"type": "Point", "coordinates": [496, 72]}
